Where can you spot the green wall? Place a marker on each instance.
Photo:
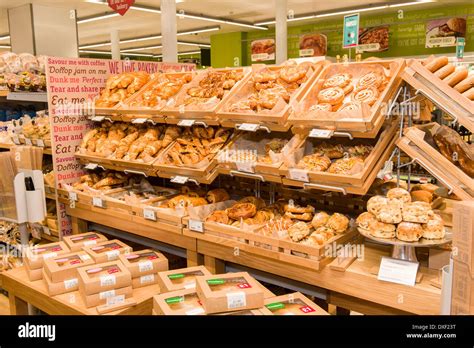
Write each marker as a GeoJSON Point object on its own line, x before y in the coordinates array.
{"type": "Point", "coordinates": [406, 35]}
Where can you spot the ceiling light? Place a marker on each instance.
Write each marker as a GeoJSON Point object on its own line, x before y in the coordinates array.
{"type": "Point", "coordinates": [97, 18]}
{"type": "Point", "coordinates": [96, 52]}
{"type": "Point", "coordinates": [145, 9]}
{"type": "Point", "coordinates": [194, 44]}
{"type": "Point", "coordinates": [216, 20]}
{"type": "Point", "coordinates": [95, 45]}
{"type": "Point", "coordinates": [197, 31]}
{"type": "Point", "coordinates": [107, 53]}
{"type": "Point", "coordinates": [141, 48]}
{"type": "Point", "coordinates": [5, 46]}
{"type": "Point", "coordinates": [337, 13]}
{"type": "Point", "coordinates": [5, 37]}
{"type": "Point", "coordinates": [179, 54]}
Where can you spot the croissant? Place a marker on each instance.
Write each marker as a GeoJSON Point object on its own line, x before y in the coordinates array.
{"type": "Point", "coordinates": [125, 144]}
{"type": "Point", "coordinates": [171, 133]}
{"type": "Point", "coordinates": [89, 135]}
{"type": "Point", "coordinates": [109, 181]}
{"type": "Point", "coordinates": [217, 195]}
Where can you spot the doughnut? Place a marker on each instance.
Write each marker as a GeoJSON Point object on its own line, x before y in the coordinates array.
{"type": "Point", "coordinates": [332, 95]}
{"type": "Point", "coordinates": [338, 80]}
{"type": "Point", "coordinates": [371, 79]}
{"type": "Point", "coordinates": [367, 95]}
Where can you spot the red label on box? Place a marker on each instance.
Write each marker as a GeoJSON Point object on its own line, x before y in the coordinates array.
{"type": "Point", "coordinates": [113, 270]}
{"type": "Point", "coordinates": [120, 6]}
{"type": "Point", "coordinates": [73, 262]}
{"type": "Point", "coordinates": [306, 309]}
{"type": "Point", "coordinates": [244, 286]}
{"type": "Point", "coordinates": [116, 247]}
{"type": "Point", "coordinates": [152, 257]}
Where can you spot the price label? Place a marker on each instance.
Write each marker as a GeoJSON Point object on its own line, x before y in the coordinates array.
{"type": "Point", "coordinates": [107, 280]}
{"type": "Point", "coordinates": [196, 225]}
{"type": "Point", "coordinates": [28, 141]}
{"type": "Point", "coordinates": [97, 118]}
{"type": "Point", "coordinates": [139, 120]}
{"type": "Point", "coordinates": [106, 294]}
{"type": "Point", "coordinates": [90, 242]}
{"type": "Point", "coordinates": [40, 143]}
{"type": "Point", "coordinates": [186, 123]}
{"type": "Point", "coordinates": [71, 283]}
{"type": "Point", "coordinates": [16, 140]}
{"type": "Point", "coordinates": [321, 133]}
{"type": "Point", "coordinates": [398, 271]}
{"type": "Point", "coordinates": [195, 311]}
{"type": "Point", "coordinates": [149, 214]}
{"type": "Point", "coordinates": [298, 174]}
{"type": "Point", "coordinates": [46, 230]}
{"type": "Point", "coordinates": [150, 278]}
{"type": "Point", "coordinates": [423, 180]}
{"type": "Point", "coordinates": [236, 299]}
{"type": "Point", "coordinates": [73, 196]}
{"type": "Point", "coordinates": [248, 127]}
{"type": "Point", "coordinates": [112, 255]}
{"type": "Point", "coordinates": [178, 179]}
{"type": "Point", "coordinates": [145, 266]}
{"type": "Point", "coordinates": [91, 166]}
{"type": "Point", "coordinates": [116, 300]}
{"type": "Point", "coordinates": [247, 167]}
{"type": "Point", "coordinates": [98, 202]}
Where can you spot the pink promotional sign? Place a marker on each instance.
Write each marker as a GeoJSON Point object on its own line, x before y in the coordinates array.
{"type": "Point", "coordinates": [73, 84]}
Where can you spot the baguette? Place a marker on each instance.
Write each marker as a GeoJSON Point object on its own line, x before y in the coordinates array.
{"type": "Point", "coordinates": [456, 77]}
{"type": "Point", "coordinates": [465, 84]}
{"type": "Point", "coordinates": [469, 94]}
{"type": "Point", "coordinates": [445, 71]}
{"type": "Point", "coordinates": [436, 64]}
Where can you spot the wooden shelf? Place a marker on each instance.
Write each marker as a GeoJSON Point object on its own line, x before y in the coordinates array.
{"type": "Point", "coordinates": [40, 97]}
{"type": "Point", "coordinates": [46, 150]}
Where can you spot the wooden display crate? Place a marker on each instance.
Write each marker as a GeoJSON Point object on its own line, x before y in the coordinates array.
{"type": "Point", "coordinates": [269, 247]}
{"type": "Point", "coordinates": [417, 136]}
{"type": "Point", "coordinates": [440, 93]}
{"type": "Point", "coordinates": [275, 120]}
{"type": "Point", "coordinates": [180, 111]}
{"type": "Point", "coordinates": [364, 123]}
{"type": "Point", "coordinates": [385, 138]}
{"type": "Point", "coordinates": [450, 180]}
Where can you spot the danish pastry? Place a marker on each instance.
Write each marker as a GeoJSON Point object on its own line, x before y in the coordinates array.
{"type": "Point", "coordinates": [314, 162]}
{"type": "Point", "coordinates": [367, 95]}
{"type": "Point", "coordinates": [218, 216]}
{"type": "Point", "coordinates": [372, 79]}
{"type": "Point", "coordinates": [338, 80]}
{"type": "Point", "coordinates": [295, 216]}
{"type": "Point", "coordinates": [350, 106]}
{"type": "Point", "coordinates": [298, 209]}
{"type": "Point", "coordinates": [299, 231]}
{"type": "Point", "coordinates": [242, 211]}
{"type": "Point", "coordinates": [331, 95]}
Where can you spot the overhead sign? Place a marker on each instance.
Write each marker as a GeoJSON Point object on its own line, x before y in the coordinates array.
{"type": "Point", "coordinates": [351, 31]}
{"type": "Point", "coordinates": [120, 6]}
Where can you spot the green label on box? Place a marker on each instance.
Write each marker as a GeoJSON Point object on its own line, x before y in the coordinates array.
{"type": "Point", "coordinates": [176, 276]}
{"type": "Point", "coordinates": [275, 306]}
{"type": "Point", "coordinates": [215, 281]}
{"type": "Point", "coordinates": [175, 299]}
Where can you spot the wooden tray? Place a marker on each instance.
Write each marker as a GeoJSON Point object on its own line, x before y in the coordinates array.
{"type": "Point", "coordinates": [368, 122]}
{"type": "Point", "coordinates": [204, 178]}
{"type": "Point", "coordinates": [440, 93]}
{"type": "Point", "coordinates": [346, 188]}
{"type": "Point", "coordinates": [269, 247]}
{"type": "Point", "coordinates": [448, 179]}
{"type": "Point", "coordinates": [417, 134]}
{"type": "Point", "coordinates": [271, 119]}
{"type": "Point", "coordinates": [180, 111]}
{"type": "Point", "coordinates": [163, 219]}
{"type": "Point", "coordinates": [385, 137]}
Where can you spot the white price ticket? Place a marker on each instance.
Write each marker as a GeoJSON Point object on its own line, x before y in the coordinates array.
{"type": "Point", "coordinates": [107, 280]}
{"type": "Point", "coordinates": [247, 167]}
{"type": "Point", "coordinates": [73, 196]}
{"type": "Point", "coordinates": [112, 255]}
{"type": "Point", "coordinates": [145, 266]}
{"type": "Point", "coordinates": [196, 225]}
{"type": "Point", "coordinates": [236, 300]}
{"type": "Point", "coordinates": [149, 214]}
{"type": "Point", "coordinates": [320, 133]}
{"type": "Point", "coordinates": [298, 174]}
{"type": "Point", "coordinates": [249, 127]}
{"type": "Point", "coordinates": [186, 123]}
{"type": "Point", "coordinates": [178, 179]}
{"type": "Point", "coordinates": [70, 283]}
{"type": "Point", "coordinates": [91, 166]}
{"type": "Point", "coordinates": [97, 202]}
{"type": "Point", "coordinates": [150, 278]}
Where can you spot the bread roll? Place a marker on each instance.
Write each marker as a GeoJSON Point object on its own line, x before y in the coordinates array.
{"type": "Point", "coordinates": [437, 64]}
{"type": "Point", "coordinates": [409, 231]}
{"type": "Point", "coordinates": [469, 94]}
{"type": "Point", "coordinates": [421, 196]}
{"type": "Point", "coordinates": [457, 76]}
{"type": "Point", "coordinates": [374, 204]}
{"type": "Point", "coordinates": [320, 219]}
{"type": "Point", "coordinates": [364, 220]}
{"type": "Point", "coordinates": [381, 229]}
{"type": "Point", "coordinates": [465, 84]}
{"type": "Point", "coordinates": [399, 194]}
{"type": "Point", "coordinates": [390, 213]}
{"type": "Point", "coordinates": [429, 187]}
{"type": "Point", "coordinates": [445, 71]}
{"type": "Point", "coordinates": [299, 231]}
{"type": "Point", "coordinates": [416, 212]}
{"type": "Point", "coordinates": [217, 195]}
{"type": "Point", "coordinates": [338, 223]}
{"type": "Point", "coordinates": [296, 216]}
{"type": "Point", "coordinates": [434, 228]}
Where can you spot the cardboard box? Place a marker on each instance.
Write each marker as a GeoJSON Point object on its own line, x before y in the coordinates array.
{"type": "Point", "coordinates": [145, 280]}
{"type": "Point", "coordinates": [179, 302]}
{"type": "Point", "coordinates": [65, 266]}
{"type": "Point", "coordinates": [462, 296]}
{"type": "Point", "coordinates": [245, 312]}
{"type": "Point", "coordinates": [463, 233]}
{"type": "Point", "coordinates": [33, 274]}
{"type": "Point", "coordinates": [229, 292]}
{"type": "Point", "coordinates": [61, 287]}
{"type": "Point", "coordinates": [291, 304]}
{"type": "Point", "coordinates": [107, 251]}
{"type": "Point", "coordinates": [34, 256]}
{"type": "Point", "coordinates": [144, 262]}
{"type": "Point", "coordinates": [184, 278]}
{"type": "Point", "coordinates": [106, 276]}
{"type": "Point", "coordinates": [104, 297]}
{"type": "Point", "coordinates": [75, 242]}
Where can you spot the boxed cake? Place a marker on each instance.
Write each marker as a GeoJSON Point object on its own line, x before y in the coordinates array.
{"type": "Point", "coordinates": [35, 256]}
{"type": "Point", "coordinates": [183, 278]}
{"type": "Point", "coordinates": [65, 266]}
{"type": "Point", "coordinates": [179, 302]}
{"type": "Point", "coordinates": [107, 251]}
{"type": "Point", "coordinates": [75, 242]}
{"type": "Point", "coordinates": [291, 304]}
{"type": "Point", "coordinates": [144, 262]}
{"type": "Point", "coordinates": [106, 276]}
{"type": "Point", "coordinates": [104, 297]}
{"type": "Point", "coordinates": [61, 287]}
{"type": "Point", "coordinates": [33, 274]}
{"type": "Point", "coordinates": [229, 292]}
